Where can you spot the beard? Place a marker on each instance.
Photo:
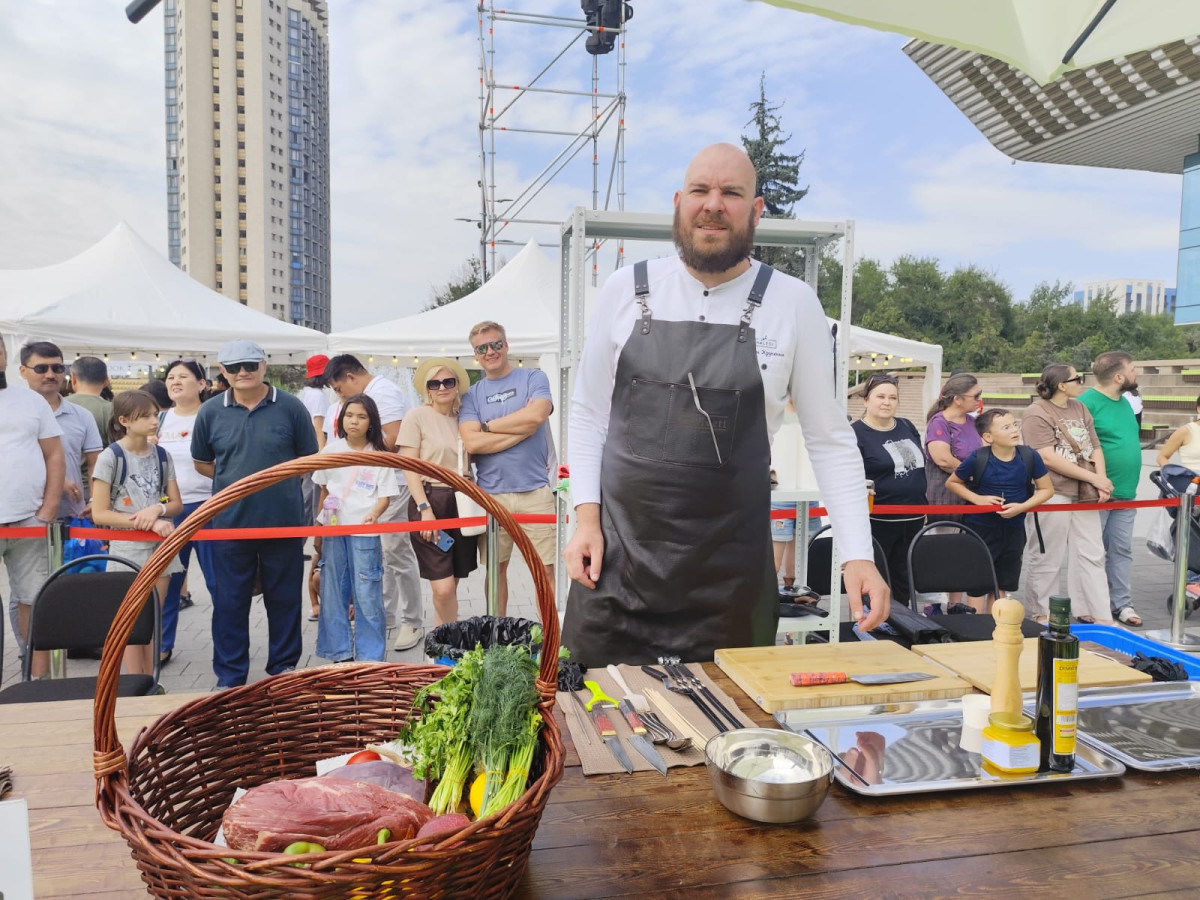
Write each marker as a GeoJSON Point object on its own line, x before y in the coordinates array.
{"type": "Point", "coordinates": [738, 244]}
{"type": "Point", "coordinates": [1129, 387]}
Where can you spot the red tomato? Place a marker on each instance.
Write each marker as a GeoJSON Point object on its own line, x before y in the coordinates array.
{"type": "Point", "coordinates": [363, 756]}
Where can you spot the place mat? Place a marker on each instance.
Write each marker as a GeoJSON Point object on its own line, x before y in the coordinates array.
{"type": "Point", "coordinates": [597, 759]}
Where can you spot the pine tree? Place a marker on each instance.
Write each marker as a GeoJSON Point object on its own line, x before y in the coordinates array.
{"type": "Point", "coordinates": [467, 280]}
{"type": "Point", "coordinates": [778, 176]}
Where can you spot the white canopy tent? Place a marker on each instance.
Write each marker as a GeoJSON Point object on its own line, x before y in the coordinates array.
{"type": "Point", "coordinates": [121, 296]}
{"type": "Point", "coordinates": [522, 296]}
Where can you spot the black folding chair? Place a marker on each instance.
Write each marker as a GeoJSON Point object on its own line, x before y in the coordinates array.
{"type": "Point", "coordinates": [958, 561]}
{"type": "Point", "coordinates": [74, 611]}
{"type": "Point", "coordinates": [820, 562]}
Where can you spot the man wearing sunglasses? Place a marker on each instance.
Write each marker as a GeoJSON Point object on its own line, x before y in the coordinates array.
{"type": "Point", "coordinates": [43, 370]}
{"type": "Point", "coordinates": [504, 426]}
{"type": "Point", "coordinates": [686, 370]}
{"type": "Point", "coordinates": [30, 491]}
{"type": "Point", "coordinates": [248, 428]}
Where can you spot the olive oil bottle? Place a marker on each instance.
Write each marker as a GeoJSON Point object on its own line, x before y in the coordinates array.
{"type": "Point", "coordinates": [1057, 704]}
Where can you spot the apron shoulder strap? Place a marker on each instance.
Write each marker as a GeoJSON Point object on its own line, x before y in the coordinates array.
{"type": "Point", "coordinates": [641, 290]}
{"type": "Point", "coordinates": [755, 298]}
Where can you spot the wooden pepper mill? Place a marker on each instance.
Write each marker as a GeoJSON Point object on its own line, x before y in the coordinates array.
{"type": "Point", "coordinates": [1008, 641]}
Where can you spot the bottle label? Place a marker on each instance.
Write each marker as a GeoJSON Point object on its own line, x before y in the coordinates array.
{"type": "Point", "coordinates": [1066, 704]}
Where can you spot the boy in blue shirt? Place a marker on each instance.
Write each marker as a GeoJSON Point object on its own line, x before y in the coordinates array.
{"type": "Point", "coordinates": [1004, 482]}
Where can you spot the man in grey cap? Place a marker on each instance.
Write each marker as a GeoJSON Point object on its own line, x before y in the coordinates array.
{"type": "Point", "coordinates": [251, 427]}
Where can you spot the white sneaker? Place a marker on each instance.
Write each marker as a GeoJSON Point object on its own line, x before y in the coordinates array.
{"type": "Point", "coordinates": [407, 636]}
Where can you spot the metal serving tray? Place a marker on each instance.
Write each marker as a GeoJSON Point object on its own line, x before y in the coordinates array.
{"type": "Point", "coordinates": [920, 749]}
{"type": "Point", "coordinates": [1152, 727]}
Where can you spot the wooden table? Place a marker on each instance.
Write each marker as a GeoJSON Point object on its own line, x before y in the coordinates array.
{"type": "Point", "coordinates": [649, 836]}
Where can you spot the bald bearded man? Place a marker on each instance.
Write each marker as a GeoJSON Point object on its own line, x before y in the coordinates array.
{"type": "Point", "coordinates": [687, 366]}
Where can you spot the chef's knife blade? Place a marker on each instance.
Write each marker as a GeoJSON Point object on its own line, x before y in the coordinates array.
{"type": "Point", "coordinates": [808, 679]}
{"type": "Point", "coordinates": [649, 753]}
{"type": "Point", "coordinates": [608, 734]}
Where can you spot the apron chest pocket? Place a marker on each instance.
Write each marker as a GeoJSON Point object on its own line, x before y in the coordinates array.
{"type": "Point", "coordinates": [665, 426]}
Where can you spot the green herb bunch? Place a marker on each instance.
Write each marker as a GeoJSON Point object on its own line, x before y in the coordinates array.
{"type": "Point", "coordinates": [505, 695]}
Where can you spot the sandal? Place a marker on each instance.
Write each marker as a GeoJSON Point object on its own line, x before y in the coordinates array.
{"type": "Point", "coordinates": [1085, 620]}
{"type": "Point", "coordinates": [1128, 616]}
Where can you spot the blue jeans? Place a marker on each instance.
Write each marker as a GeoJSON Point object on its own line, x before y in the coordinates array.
{"type": "Point", "coordinates": [280, 564]}
{"type": "Point", "coordinates": [1117, 526]}
{"type": "Point", "coordinates": [352, 571]}
{"type": "Point", "coordinates": [204, 556]}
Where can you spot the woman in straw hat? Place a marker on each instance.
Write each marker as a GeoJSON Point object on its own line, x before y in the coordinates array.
{"type": "Point", "coordinates": [430, 432]}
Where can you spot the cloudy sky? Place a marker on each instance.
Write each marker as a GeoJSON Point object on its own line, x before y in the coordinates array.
{"type": "Point", "coordinates": [82, 142]}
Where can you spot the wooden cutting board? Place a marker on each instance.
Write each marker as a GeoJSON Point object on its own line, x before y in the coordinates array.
{"type": "Point", "coordinates": [976, 662]}
{"type": "Point", "coordinates": [762, 672]}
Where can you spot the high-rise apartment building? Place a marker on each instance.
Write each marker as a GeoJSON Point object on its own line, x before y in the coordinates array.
{"type": "Point", "coordinates": [1130, 295]}
{"type": "Point", "coordinates": [247, 101]}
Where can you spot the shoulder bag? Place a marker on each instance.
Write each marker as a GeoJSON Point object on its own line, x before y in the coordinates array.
{"type": "Point", "coordinates": [468, 508]}
{"type": "Point", "coordinates": [1087, 491]}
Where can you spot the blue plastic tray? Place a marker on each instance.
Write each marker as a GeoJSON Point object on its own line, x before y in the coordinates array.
{"type": "Point", "coordinates": [1126, 642]}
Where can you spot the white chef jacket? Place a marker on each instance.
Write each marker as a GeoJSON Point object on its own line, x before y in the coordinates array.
{"type": "Point", "coordinates": [795, 355]}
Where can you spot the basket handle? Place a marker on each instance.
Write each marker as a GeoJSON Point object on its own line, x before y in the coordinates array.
{"type": "Point", "coordinates": [109, 760]}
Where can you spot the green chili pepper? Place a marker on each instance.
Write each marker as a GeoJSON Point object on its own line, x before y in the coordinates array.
{"type": "Point", "coordinates": [385, 835]}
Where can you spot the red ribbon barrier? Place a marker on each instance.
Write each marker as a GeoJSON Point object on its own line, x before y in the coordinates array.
{"type": "Point", "coordinates": [233, 534]}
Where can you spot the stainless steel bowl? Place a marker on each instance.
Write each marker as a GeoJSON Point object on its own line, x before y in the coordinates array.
{"type": "Point", "coordinates": [768, 775]}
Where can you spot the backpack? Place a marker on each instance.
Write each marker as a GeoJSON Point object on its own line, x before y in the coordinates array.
{"type": "Point", "coordinates": [122, 468]}
{"type": "Point", "coordinates": [984, 454]}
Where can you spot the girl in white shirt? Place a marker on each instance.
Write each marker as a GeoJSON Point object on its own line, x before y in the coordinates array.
{"type": "Point", "coordinates": [352, 570]}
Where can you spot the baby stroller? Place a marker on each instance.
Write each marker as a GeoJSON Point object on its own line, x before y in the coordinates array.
{"type": "Point", "coordinates": [1172, 481]}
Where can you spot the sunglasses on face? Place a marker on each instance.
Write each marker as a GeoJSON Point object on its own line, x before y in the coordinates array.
{"type": "Point", "coordinates": [1078, 379]}
{"type": "Point", "coordinates": [43, 368]}
{"type": "Point", "coordinates": [974, 397]}
{"type": "Point", "coordinates": [483, 348]}
{"type": "Point", "coordinates": [234, 368]}
{"type": "Point", "coordinates": [433, 384]}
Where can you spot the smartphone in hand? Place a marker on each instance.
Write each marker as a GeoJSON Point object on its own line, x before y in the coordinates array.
{"type": "Point", "coordinates": [443, 541]}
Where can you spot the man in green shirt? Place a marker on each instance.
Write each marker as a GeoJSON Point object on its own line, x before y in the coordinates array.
{"type": "Point", "coordinates": [1117, 427]}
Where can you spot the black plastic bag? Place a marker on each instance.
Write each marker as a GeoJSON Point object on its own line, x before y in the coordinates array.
{"type": "Point", "coordinates": [454, 639]}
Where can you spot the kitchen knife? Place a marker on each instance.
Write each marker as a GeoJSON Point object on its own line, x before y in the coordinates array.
{"type": "Point", "coordinates": [608, 734]}
{"type": "Point", "coordinates": [808, 679]}
{"type": "Point", "coordinates": [644, 745]}
{"type": "Point", "coordinates": [649, 753]}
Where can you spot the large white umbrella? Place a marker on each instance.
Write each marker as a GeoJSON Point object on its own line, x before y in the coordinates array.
{"type": "Point", "coordinates": [1043, 38]}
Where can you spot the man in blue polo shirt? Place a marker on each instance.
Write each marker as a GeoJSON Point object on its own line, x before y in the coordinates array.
{"type": "Point", "coordinates": [244, 430]}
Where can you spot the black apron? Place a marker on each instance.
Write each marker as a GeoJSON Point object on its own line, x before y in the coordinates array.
{"type": "Point", "coordinates": [688, 566]}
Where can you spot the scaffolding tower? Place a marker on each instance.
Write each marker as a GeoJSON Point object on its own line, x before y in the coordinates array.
{"type": "Point", "coordinates": [507, 110]}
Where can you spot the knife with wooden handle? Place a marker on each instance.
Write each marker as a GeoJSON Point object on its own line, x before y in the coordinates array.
{"type": "Point", "coordinates": [809, 679]}
{"type": "Point", "coordinates": [608, 734]}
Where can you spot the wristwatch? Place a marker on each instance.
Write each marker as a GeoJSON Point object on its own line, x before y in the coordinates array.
{"type": "Point", "coordinates": [421, 507]}
{"type": "Point", "coordinates": [483, 426]}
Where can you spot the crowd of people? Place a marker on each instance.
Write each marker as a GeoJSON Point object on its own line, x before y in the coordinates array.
{"type": "Point", "coordinates": [145, 459]}
{"type": "Point", "coordinates": [1074, 444]}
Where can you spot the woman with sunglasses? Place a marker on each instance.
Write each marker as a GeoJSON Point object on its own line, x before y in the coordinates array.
{"type": "Point", "coordinates": [430, 432]}
{"type": "Point", "coordinates": [891, 452]}
{"type": "Point", "coordinates": [187, 388]}
{"type": "Point", "coordinates": [1060, 428]}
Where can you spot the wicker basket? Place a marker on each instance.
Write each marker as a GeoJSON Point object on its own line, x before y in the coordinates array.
{"type": "Point", "coordinates": [168, 794]}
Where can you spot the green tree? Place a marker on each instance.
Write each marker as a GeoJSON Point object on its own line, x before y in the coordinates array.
{"type": "Point", "coordinates": [467, 279]}
{"type": "Point", "coordinates": [778, 176]}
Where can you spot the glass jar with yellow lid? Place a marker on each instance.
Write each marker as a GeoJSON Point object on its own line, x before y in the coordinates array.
{"type": "Point", "coordinates": [1009, 745]}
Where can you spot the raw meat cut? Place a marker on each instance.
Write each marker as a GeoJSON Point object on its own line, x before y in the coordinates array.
{"type": "Point", "coordinates": [337, 814]}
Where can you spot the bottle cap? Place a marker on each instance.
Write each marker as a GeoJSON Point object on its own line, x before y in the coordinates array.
{"type": "Point", "coordinates": [1011, 721]}
{"type": "Point", "coordinates": [1060, 612]}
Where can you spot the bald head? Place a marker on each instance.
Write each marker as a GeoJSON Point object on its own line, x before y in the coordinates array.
{"type": "Point", "coordinates": [716, 213]}
{"type": "Point", "coordinates": [725, 160]}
